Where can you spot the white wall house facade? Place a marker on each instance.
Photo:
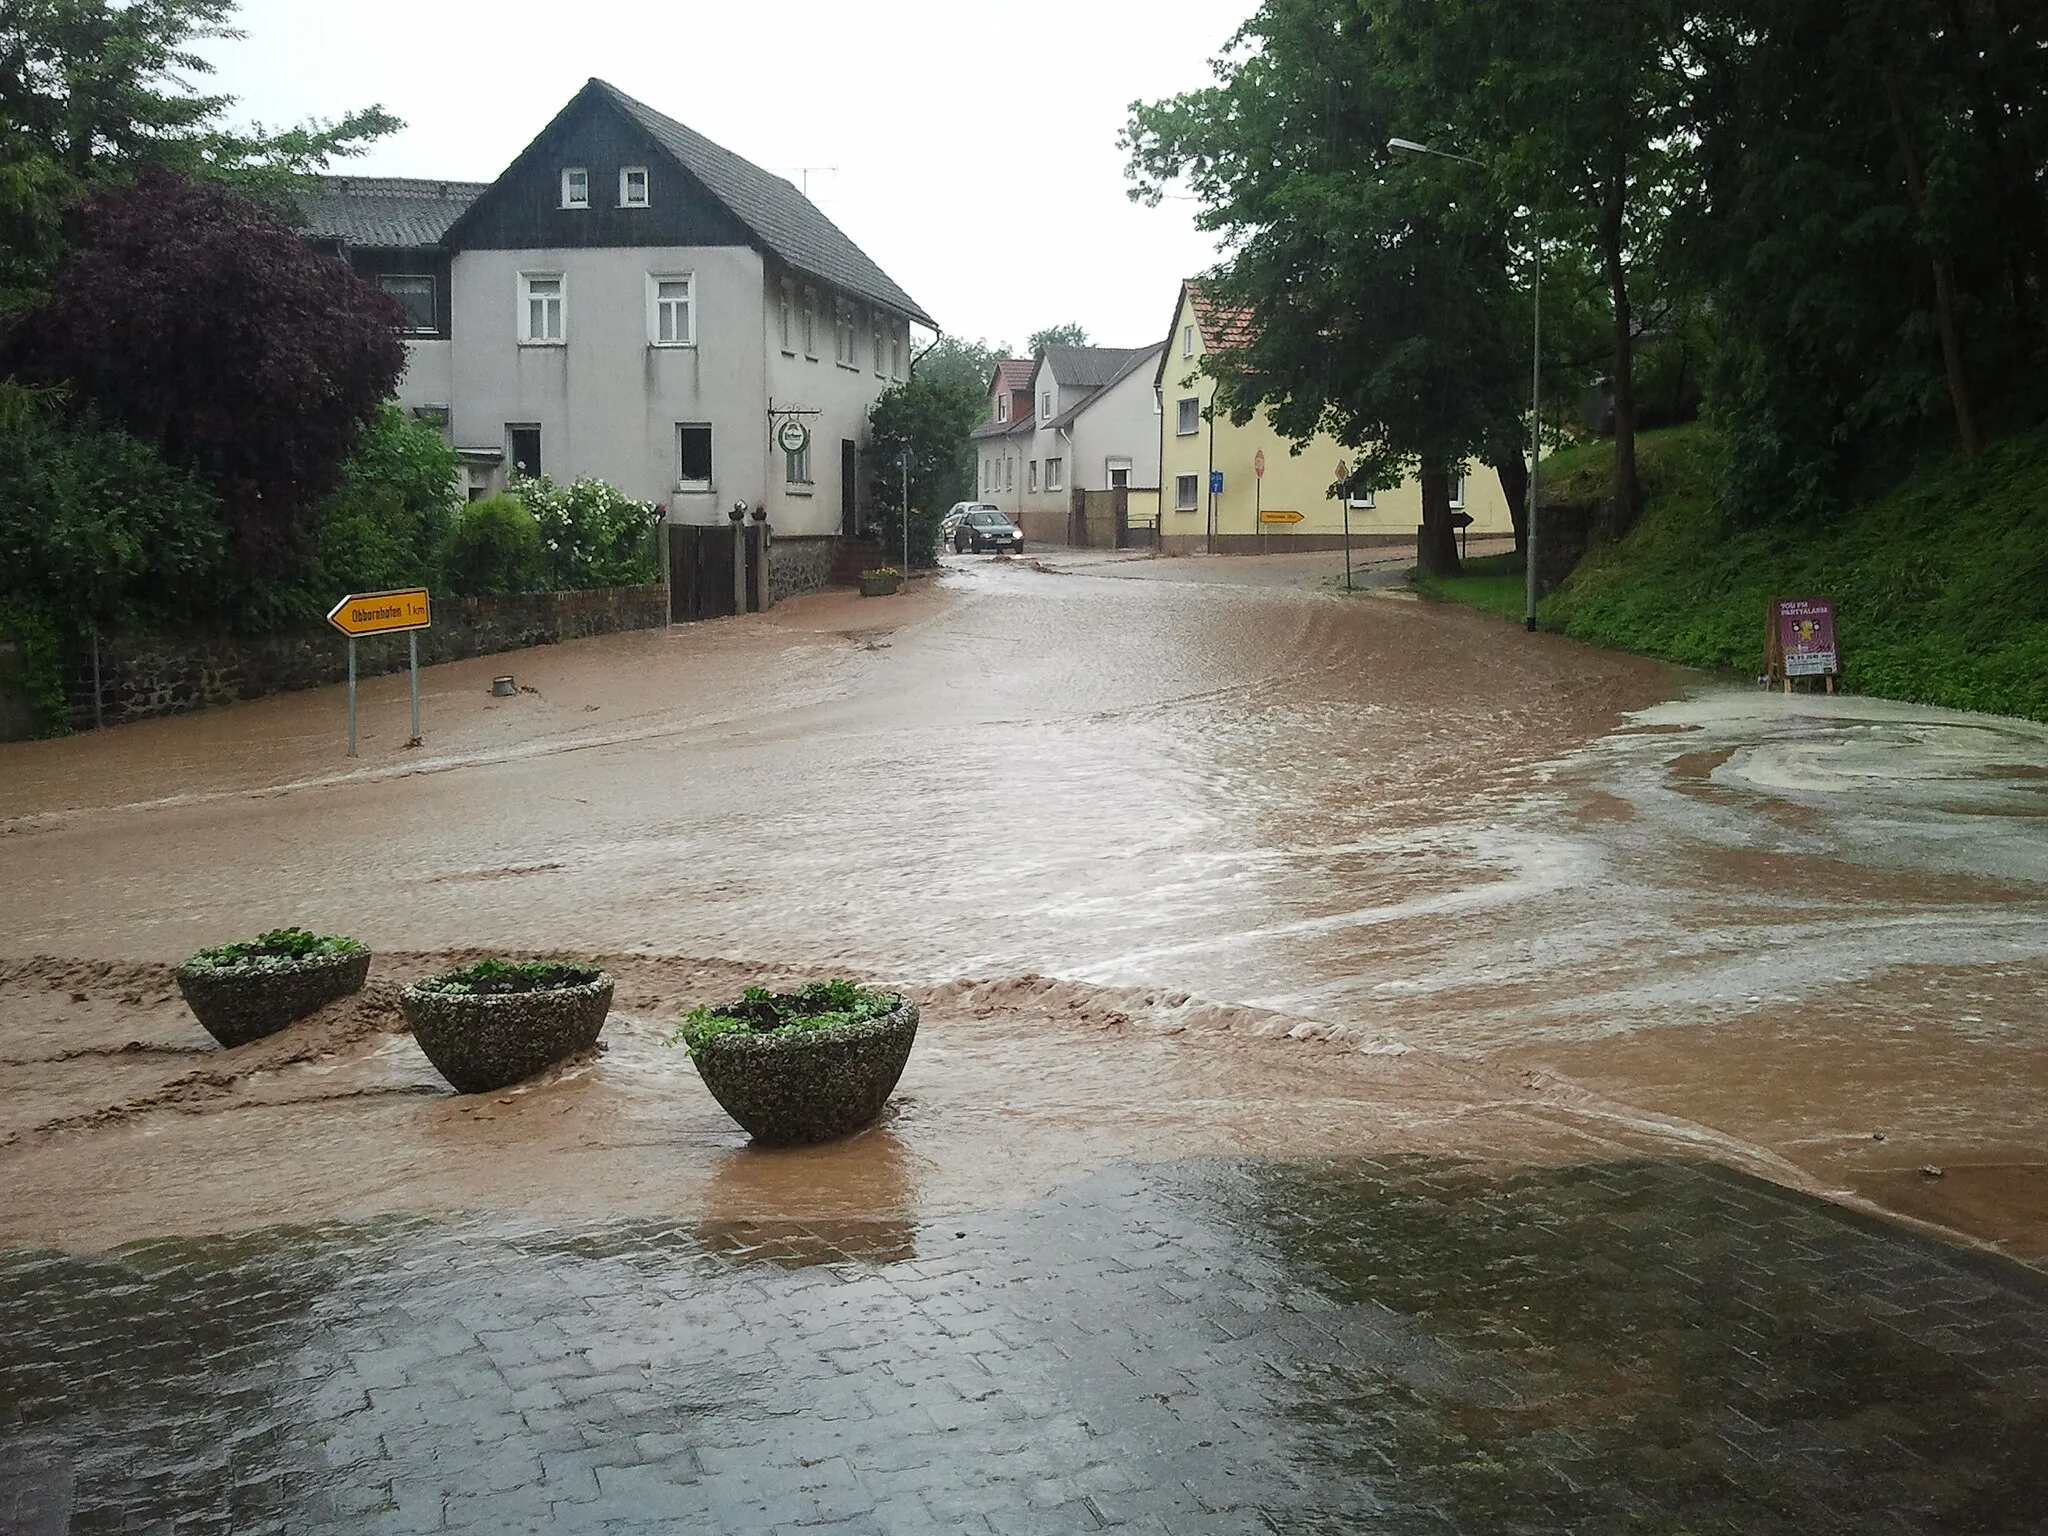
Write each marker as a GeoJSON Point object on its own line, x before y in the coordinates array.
{"type": "Point", "coordinates": [632, 303]}
{"type": "Point", "coordinates": [1071, 419]}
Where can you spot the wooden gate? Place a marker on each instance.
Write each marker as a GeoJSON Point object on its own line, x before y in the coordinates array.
{"type": "Point", "coordinates": [701, 564]}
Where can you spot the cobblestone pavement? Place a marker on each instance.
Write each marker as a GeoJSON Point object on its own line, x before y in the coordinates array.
{"type": "Point", "coordinates": [1201, 1347]}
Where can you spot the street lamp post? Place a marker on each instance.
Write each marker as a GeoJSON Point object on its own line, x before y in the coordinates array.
{"type": "Point", "coordinates": [1410, 147]}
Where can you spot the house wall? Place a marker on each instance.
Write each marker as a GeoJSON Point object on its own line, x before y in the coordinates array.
{"type": "Point", "coordinates": [429, 377]}
{"type": "Point", "coordinates": [843, 396]}
{"type": "Point", "coordinates": [628, 395]}
{"type": "Point", "coordinates": [1121, 422]}
{"type": "Point", "coordinates": [1293, 482]}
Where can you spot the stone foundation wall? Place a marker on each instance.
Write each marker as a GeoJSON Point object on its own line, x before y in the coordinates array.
{"type": "Point", "coordinates": [142, 676]}
{"type": "Point", "coordinates": [800, 564]}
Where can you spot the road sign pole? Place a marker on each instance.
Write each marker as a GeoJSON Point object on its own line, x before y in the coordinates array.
{"type": "Point", "coordinates": [412, 646]}
{"type": "Point", "coordinates": [1347, 540]}
{"type": "Point", "coordinates": [351, 695]}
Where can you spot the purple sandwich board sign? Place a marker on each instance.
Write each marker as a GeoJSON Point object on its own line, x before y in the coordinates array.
{"type": "Point", "coordinates": [1803, 639]}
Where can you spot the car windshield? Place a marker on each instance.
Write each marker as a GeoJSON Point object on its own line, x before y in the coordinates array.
{"type": "Point", "coordinates": [988, 519]}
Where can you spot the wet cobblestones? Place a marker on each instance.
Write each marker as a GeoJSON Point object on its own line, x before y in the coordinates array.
{"type": "Point", "coordinates": [1217, 1347]}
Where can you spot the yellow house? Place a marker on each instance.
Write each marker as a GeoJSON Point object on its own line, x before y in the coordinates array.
{"type": "Point", "coordinates": [1288, 507]}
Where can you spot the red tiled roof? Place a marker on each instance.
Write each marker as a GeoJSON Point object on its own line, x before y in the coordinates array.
{"type": "Point", "coordinates": [1013, 374]}
{"type": "Point", "coordinates": [1225, 327]}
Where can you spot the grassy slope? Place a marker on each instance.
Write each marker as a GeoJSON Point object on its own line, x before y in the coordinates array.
{"type": "Point", "coordinates": [1492, 582]}
{"type": "Point", "coordinates": [1942, 583]}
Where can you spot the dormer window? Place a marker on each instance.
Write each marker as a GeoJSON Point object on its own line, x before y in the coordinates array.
{"type": "Point", "coordinates": [1002, 407]}
{"type": "Point", "coordinates": [576, 187]}
{"type": "Point", "coordinates": [633, 187]}
{"type": "Point", "coordinates": [1045, 405]}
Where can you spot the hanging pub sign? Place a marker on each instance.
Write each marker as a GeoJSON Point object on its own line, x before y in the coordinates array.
{"type": "Point", "coordinates": [792, 436]}
{"type": "Point", "coordinates": [1800, 641]}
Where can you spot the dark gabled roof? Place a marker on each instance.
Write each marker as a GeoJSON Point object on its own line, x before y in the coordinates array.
{"type": "Point", "coordinates": [1091, 367]}
{"type": "Point", "coordinates": [788, 223]}
{"type": "Point", "coordinates": [386, 212]}
{"type": "Point", "coordinates": [1134, 359]}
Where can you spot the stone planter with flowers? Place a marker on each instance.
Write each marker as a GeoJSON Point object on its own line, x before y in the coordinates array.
{"type": "Point", "coordinates": [881, 582]}
{"type": "Point", "coordinates": [802, 1066]}
{"type": "Point", "coordinates": [243, 992]}
{"type": "Point", "coordinates": [499, 1022]}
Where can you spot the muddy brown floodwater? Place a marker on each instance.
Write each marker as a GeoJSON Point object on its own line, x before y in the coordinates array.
{"type": "Point", "coordinates": [1200, 865]}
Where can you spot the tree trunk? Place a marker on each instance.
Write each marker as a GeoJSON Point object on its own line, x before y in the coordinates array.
{"type": "Point", "coordinates": [1437, 542]}
{"type": "Point", "coordinates": [1513, 469]}
{"type": "Point", "coordinates": [1944, 282]}
{"type": "Point", "coordinates": [1627, 496]}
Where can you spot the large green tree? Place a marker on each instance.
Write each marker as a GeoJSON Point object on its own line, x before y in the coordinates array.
{"type": "Point", "coordinates": [930, 416]}
{"type": "Point", "coordinates": [1386, 313]}
{"type": "Point", "coordinates": [1871, 227]}
{"type": "Point", "coordinates": [92, 92]}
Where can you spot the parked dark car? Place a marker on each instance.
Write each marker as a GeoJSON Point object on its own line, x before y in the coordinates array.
{"type": "Point", "coordinates": [979, 531]}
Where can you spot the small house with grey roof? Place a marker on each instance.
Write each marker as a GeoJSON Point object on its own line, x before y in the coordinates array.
{"type": "Point", "coordinates": [1072, 419]}
{"type": "Point", "coordinates": [632, 302]}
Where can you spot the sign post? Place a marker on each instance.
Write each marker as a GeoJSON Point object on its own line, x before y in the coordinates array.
{"type": "Point", "coordinates": [1344, 495]}
{"type": "Point", "coordinates": [905, 462]}
{"type": "Point", "coordinates": [1259, 495]}
{"type": "Point", "coordinates": [406, 612]}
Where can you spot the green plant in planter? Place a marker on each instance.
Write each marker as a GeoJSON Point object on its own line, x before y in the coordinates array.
{"type": "Point", "coordinates": [819, 1005]}
{"type": "Point", "coordinates": [269, 951]}
{"type": "Point", "coordinates": [498, 978]}
{"type": "Point", "coordinates": [802, 1066]}
{"type": "Point", "coordinates": [242, 992]}
{"type": "Point", "coordinates": [883, 573]}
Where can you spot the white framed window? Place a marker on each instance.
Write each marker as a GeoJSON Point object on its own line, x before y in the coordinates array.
{"type": "Point", "coordinates": [575, 187]}
{"type": "Point", "coordinates": [881, 352]}
{"type": "Point", "coordinates": [1187, 416]}
{"type": "Point", "coordinates": [1457, 493]}
{"type": "Point", "coordinates": [633, 186]}
{"type": "Point", "coordinates": [789, 318]}
{"type": "Point", "coordinates": [1045, 406]}
{"type": "Point", "coordinates": [416, 293]}
{"type": "Point", "coordinates": [847, 351]}
{"type": "Point", "coordinates": [1187, 341]}
{"type": "Point", "coordinates": [1009, 474]}
{"type": "Point", "coordinates": [811, 324]}
{"type": "Point", "coordinates": [1031, 476]}
{"type": "Point", "coordinates": [543, 305]}
{"type": "Point", "coordinates": [1187, 493]}
{"type": "Point", "coordinates": [898, 344]}
{"type": "Point", "coordinates": [1055, 474]}
{"type": "Point", "coordinates": [1365, 501]}
{"type": "Point", "coordinates": [693, 455]}
{"type": "Point", "coordinates": [1003, 406]}
{"type": "Point", "coordinates": [796, 469]}
{"type": "Point", "coordinates": [672, 309]}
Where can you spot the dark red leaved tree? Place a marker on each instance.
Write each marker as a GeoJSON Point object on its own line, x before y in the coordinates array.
{"type": "Point", "coordinates": [203, 325]}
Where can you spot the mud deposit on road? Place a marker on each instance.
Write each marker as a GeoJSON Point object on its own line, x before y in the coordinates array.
{"type": "Point", "coordinates": [1437, 886]}
{"type": "Point", "coordinates": [125, 1120]}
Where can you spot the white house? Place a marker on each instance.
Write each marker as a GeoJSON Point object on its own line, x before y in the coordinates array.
{"type": "Point", "coordinates": [1072, 419]}
{"type": "Point", "coordinates": [630, 301]}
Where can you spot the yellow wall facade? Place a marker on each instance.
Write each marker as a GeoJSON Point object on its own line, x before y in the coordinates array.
{"type": "Point", "coordinates": [1293, 482]}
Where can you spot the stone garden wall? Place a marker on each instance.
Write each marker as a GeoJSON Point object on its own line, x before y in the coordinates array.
{"type": "Point", "coordinates": [800, 564]}
{"type": "Point", "coordinates": [142, 676]}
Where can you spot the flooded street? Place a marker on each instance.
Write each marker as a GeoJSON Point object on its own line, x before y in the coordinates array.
{"type": "Point", "coordinates": [1473, 890]}
{"type": "Point", "coordinates": [1377, 1068]}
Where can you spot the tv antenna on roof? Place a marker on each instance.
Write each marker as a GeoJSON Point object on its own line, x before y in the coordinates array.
{"type": "Point", "coordinates": [804, 173]}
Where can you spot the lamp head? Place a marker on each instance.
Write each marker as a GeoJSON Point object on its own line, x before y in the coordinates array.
{"type": "Point", "coordinates": [1407, 147]}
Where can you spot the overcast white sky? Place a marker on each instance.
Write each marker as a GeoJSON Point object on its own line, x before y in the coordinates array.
{"type": "Point", "coordinates": [975, 145]}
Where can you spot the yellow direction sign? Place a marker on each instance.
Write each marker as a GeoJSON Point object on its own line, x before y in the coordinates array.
{"type": "Point", "coordinates": [1279, 517]}
{"type": "Point", "coordinates": [382, 613]}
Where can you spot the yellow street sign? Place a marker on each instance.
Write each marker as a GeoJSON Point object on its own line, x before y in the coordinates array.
{"type": "Point", "coordinates": [382, 613]}
{"type": "Point", "coordinates": [1279, 517]}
